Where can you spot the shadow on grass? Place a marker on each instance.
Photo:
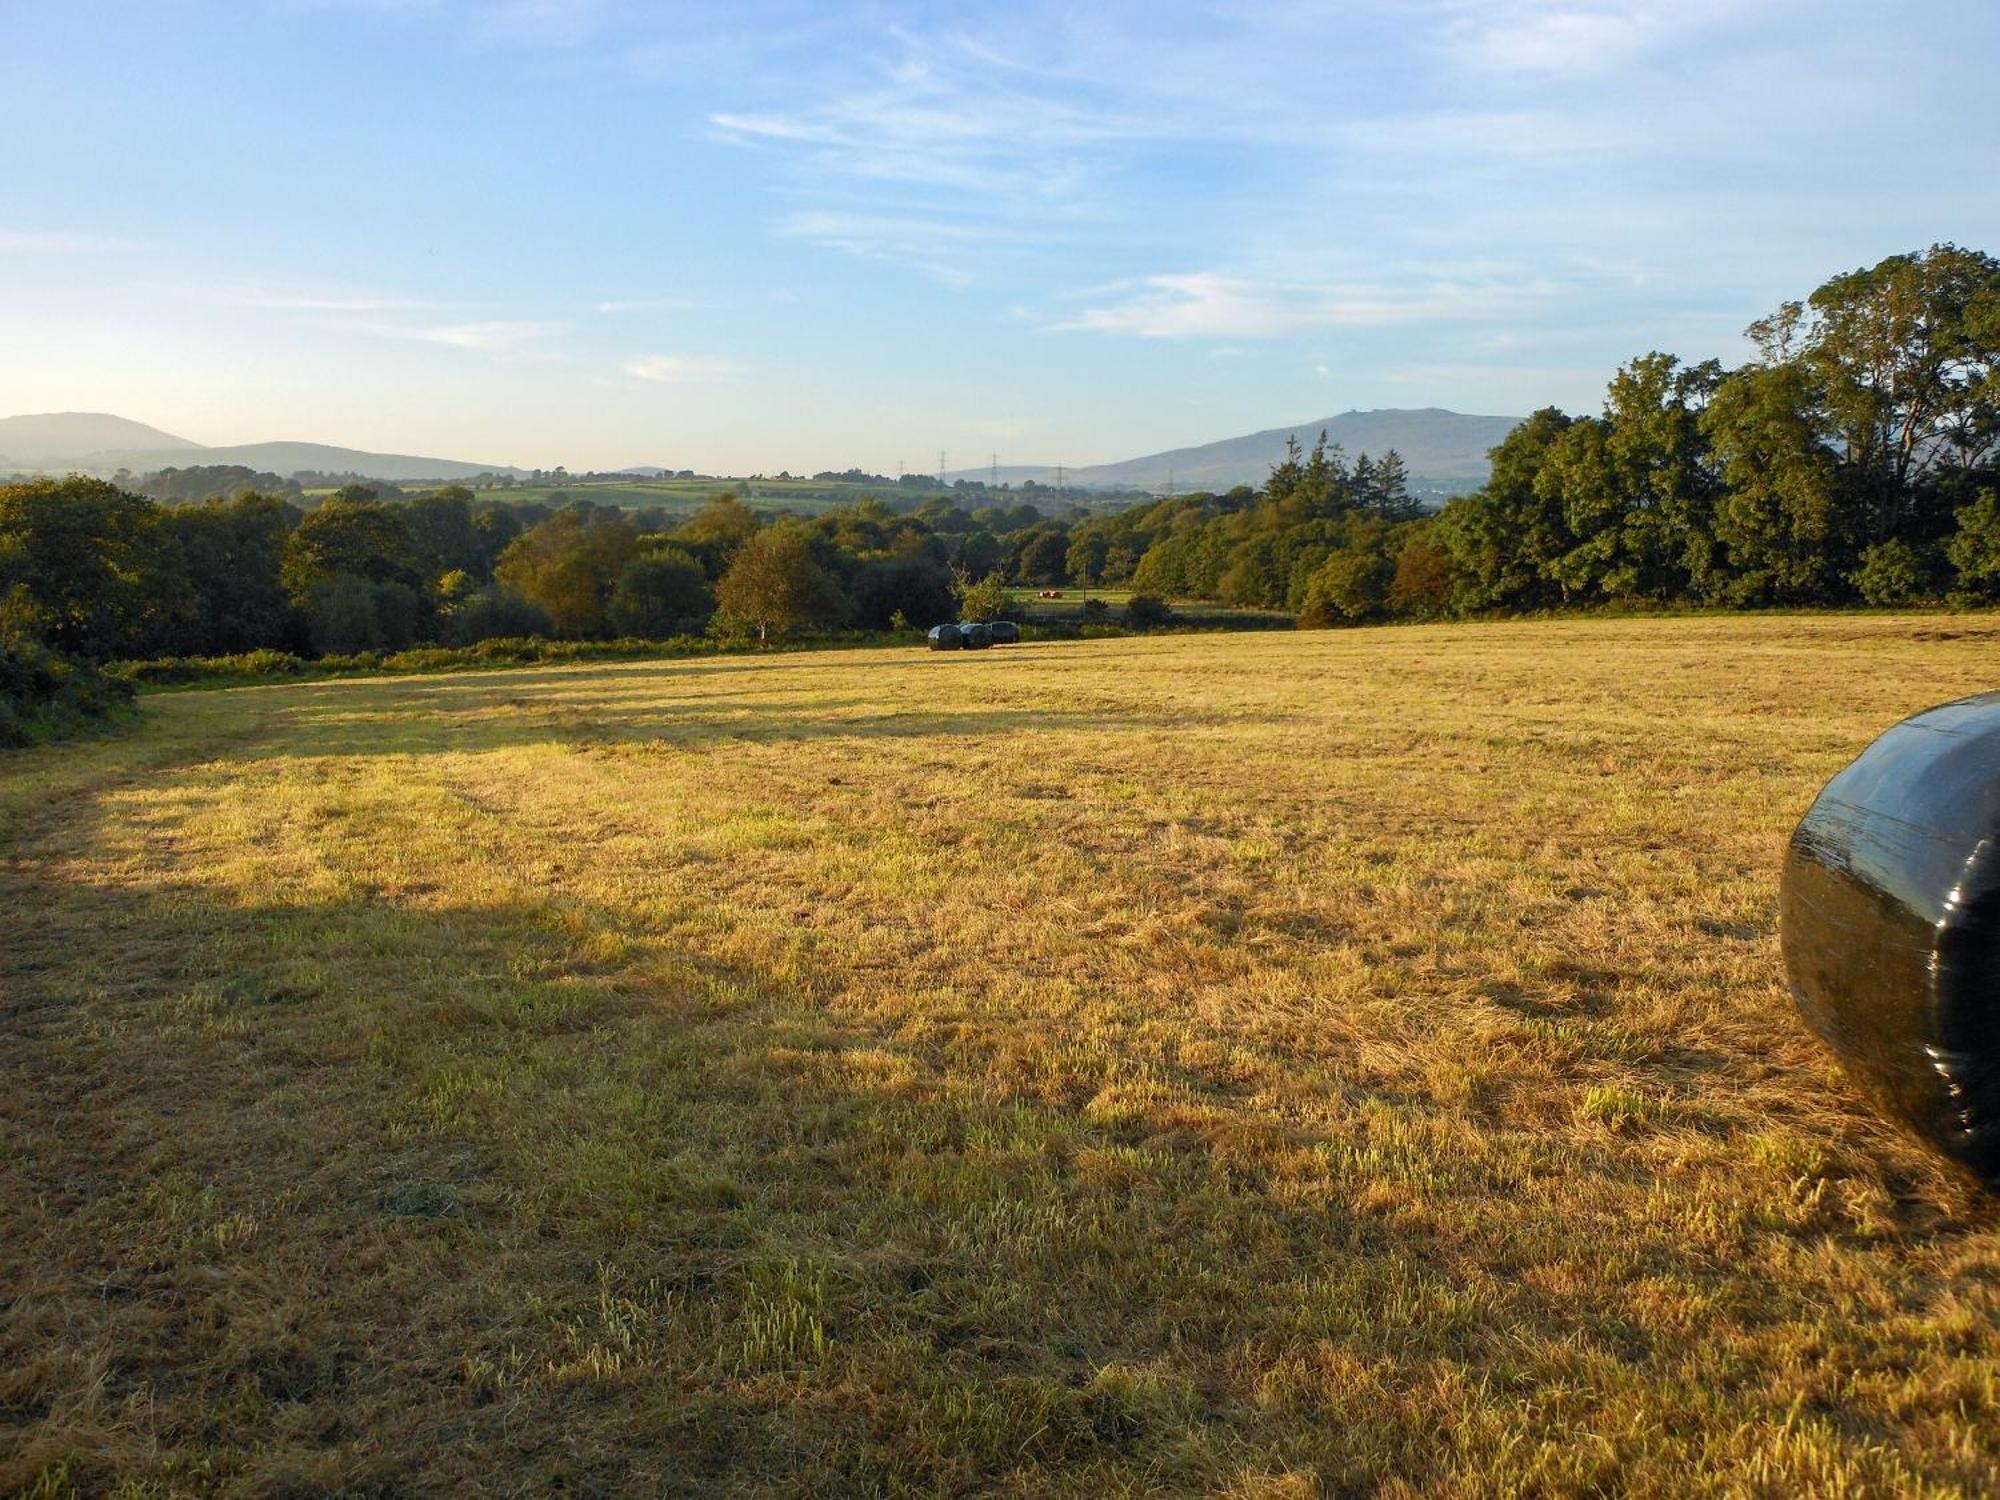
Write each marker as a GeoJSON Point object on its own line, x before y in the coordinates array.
{"type": "Point", "coordinates": [441, 1195]}
{"type": "Point", "coordinates": [402, 718]}
{"type": "Point", "coordinates": [353, 1196]}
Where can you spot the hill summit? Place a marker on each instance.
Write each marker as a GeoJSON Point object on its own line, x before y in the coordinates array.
{"type": "Point", "coordinates": [67, 436]}
{"type": "Point", "coordinates": [1444, 451]}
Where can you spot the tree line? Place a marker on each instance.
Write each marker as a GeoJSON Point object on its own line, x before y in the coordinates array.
{"type": "Point", "coordinates": [1856, 458]}
{"type": "Point", "coordinates": [99, 573]}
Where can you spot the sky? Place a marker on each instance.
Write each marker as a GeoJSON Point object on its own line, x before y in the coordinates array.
{"type": "Point", "coordinates": [770, 234]}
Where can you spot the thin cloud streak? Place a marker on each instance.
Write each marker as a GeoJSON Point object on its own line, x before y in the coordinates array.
{"type": "Point", "coordinates": [1212, 304]}
{"type": "Point", "coordinates": [679, 369]}
{"type": "Point", "coordinates": [494, 337]}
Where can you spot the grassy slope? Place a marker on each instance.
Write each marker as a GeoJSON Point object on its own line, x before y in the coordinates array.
{"type": "Point", "coordinates": [1348, 1060]}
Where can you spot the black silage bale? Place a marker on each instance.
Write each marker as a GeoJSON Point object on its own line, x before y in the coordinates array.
{"type": "Point", "coordinates": [1890, 919]}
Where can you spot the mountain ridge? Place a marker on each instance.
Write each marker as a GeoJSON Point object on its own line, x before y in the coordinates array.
{"type": "Point", "coordinates": [102, 443]}
{"type": "Point", "coordinates": [54, 436]}
{"type": "Point", "coordinates": [1444, 451]}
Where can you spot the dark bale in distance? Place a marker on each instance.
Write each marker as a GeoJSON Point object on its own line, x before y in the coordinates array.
{"type": "Point", "coordinates": [946, 638]}
{"type": "Point", "coordinates": [1005, 633]}
{"type": "Point", "coordinates": [1890, 920]}
{"type": "Point", "coordinates": [977, 633]}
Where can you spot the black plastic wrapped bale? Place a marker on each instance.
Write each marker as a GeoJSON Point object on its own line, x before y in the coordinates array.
{"type": "Point", "coordinates": [1005, 632]}
{"type": "Point", "coordinates": [976, 635]}
{"type": "Point", "coordinates": [946, 638]}
{"type": "Point", "coordinates": [1890, 916]}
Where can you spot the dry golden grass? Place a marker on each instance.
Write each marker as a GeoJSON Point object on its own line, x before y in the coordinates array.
{"type": "Point", "coordinates": [1269, 1065]}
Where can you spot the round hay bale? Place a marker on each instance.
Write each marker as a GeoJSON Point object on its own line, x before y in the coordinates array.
{"type": "Point", "coordinates": [1889, 915]}
{"type": "Point", "coordinates": [977, 634]}
{"type": "Point", "coordinates": [945, 638]}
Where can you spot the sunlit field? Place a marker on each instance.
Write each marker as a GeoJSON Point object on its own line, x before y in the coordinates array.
{"type": "Point", "coordinates": [1284, 1064]}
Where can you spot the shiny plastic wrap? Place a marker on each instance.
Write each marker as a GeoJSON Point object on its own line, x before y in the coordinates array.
{"type": "Point", "coordinates": [1890, 917]}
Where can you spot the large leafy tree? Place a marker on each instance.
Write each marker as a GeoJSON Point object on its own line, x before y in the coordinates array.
{"type": "Point", "coordinates": [568, 567]}
{"type": "Point", "coordinates": [444, 536]}
{"type": "Point", "coordinates": [1637, 487]}
{"type": "Point", "coordinates": [92, 570]}
{"type": "Point", "coordinates": [713, 533]}
{"type": "Point", "coordinates": [1505, 538]}
{"type": "Point", "coordinates": [661, 593]}
{"type": "Point", "coordinates": [777, 585]}
{"type": "Point", "coordinates": [1779, 520]}
{"type": "Point", "coordinates": [1900, 366]}
{"type": "Point", "coordinates": [234, 551]}
{"type": "Point", "coordinates": [349, 535]}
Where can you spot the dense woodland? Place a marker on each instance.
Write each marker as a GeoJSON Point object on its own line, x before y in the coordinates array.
{"type": "Point", "coordinates": [1852, 461]}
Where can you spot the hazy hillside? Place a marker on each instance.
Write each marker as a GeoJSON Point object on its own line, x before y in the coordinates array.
{"type": "Point", "coordinates": [98, 443]}
{"type": "Point", "coordinates": [289, 458]}
{"type": "Point", "coordinates": [1444, 450]}
{"type": "Point", "coordinates": [51, 437]}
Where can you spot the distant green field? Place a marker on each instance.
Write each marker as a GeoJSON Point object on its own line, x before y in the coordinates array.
{"type": "Point", "coordinates": [685, 496]}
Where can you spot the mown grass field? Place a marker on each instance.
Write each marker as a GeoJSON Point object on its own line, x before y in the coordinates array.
{"type": "Point", "coordinates": [1273, 1065]}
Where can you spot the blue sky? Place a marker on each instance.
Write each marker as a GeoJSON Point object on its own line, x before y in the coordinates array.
{"type": "Point", "coordinates": [756, 236]}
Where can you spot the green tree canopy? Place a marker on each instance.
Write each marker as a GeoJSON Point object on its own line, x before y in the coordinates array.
{"type": "Point", "coordinates": [356, 536]}
{"type": "Point", "coordinates": [662, 592]}
{"type": "Point", "coordinates": [777, 586]}
{"type": "Point", "coordinates": [568, 567]}
{"type": "Point", "coordinates": [90, 569]}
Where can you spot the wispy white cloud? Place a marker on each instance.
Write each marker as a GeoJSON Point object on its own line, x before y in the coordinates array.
{"type": "Point", "coordinates": [946, 250]}
{"type": "Point", "coordinates": [494, 337]}
{"type": "Point", "coordinates": [1578, 37]}
{"type": "Point", "coordinates": [680, 369]}
{"type": "Point", "coordinates": [1214, 304]}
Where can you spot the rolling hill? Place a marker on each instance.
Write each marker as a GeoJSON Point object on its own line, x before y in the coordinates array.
{"type": "Point", "coordinates": [99, 443]}
{"type": "Point", "coordinates": [1444, 450]}
{"type": "Point", "coordinates": [69, 436]}
{"type": "Point", "coordinates": [290, 458]}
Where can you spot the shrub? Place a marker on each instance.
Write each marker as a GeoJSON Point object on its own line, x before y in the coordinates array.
{"type": "Point", "coordinates": [1975, 549]}
{"type": "Point", "coordinates": [988, 599]}
{"type": "Point", "coordinates": [493, 613]}
{"type": "Point", "coordinates": [1094, 612]}
{"type": "Point", "coordinates": [45, 695]}
{"type": "Point", "coordinates": [1894, 572]}
{"type": "Point", "coordinates": [1423, 584]}
{"type": "Point", "coordinates": [349, 612]}
{"type": "Point", "coordinates": [1144, 611]}
{"type": "Point", "coordinates": [1350, 585]}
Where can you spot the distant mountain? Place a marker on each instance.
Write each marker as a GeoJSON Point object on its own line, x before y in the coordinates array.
{"type": "Point", "coordinates": [1445, 452]}
{"type": "Point", "coordinates": [289, 458]}
{"type": "Point", "coordinates": [96, 443]}
{"type": "Point", "coordinates": [66, 436]}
